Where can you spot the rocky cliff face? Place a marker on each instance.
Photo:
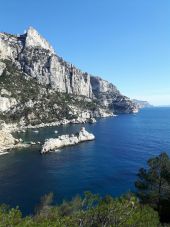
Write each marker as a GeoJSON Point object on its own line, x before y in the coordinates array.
{"type": "Point", "coordinates": [108, 95]}
{"type": "Point", "coordinates": [33, 58]}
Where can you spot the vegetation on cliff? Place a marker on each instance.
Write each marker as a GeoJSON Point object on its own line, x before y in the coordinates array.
{"type": "Point", "coordinates": [37, 103]}
{"type": "Point", "coordinates": [45, 88]}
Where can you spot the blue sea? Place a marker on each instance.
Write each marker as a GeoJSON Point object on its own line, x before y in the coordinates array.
{"type": "Point", "coordinates": [107, 165]}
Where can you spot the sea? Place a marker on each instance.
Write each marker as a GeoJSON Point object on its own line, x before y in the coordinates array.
{"type": "Point", "coordinates": [106, 166]}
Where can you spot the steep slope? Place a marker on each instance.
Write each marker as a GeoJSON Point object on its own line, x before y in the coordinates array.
{"type": "Point", "coordinates": [109, 96]}
{"type": "Point", "coordinates": [33, 77]}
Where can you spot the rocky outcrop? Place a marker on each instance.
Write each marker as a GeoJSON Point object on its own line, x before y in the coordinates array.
{"type": "Point", "coordinates": [34, 57]}
{"type": "Point", "coordinates": [66, 140]}
{"type": "Point", "coordinates": [2, 67]}
{"type": "Point", "coordinates": [8, 142]}
{"type": "Point", "coordinates": [7, 103]}
{"type": "Point", "coordinates": [108, 95]}
{"type": "Point", "coordinates": [34, 39]}
{"type": "Point", "coordinates": [142, 104]}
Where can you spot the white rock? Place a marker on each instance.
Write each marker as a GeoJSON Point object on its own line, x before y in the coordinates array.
{"type": "Point", "coordinates": [34, 39]}
{"type": "Point", "coordinates": [7, 142]}
{"type": "Point", "coordinates": [103, 113]}
{"type": "Point", "coordinates": [2, 67]}
{"type": "Point", "coordinates": [65, 122]}
{"type": "Point", "coordinates": [7, 103]}
{"type": "Point", "coordinates": [6, 139]}
{"type": "Point", "coordinates": [66, 140]}
{"type": "Point", "coordinates": [5, 92]}
{"type": "Point", "coordinates": [30, 103]}
{"type": "Point", "coordinates": [85, 136]}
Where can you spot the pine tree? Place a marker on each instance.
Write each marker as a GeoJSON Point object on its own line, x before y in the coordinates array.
{"type": "Point", "coordinates": [153, 185]}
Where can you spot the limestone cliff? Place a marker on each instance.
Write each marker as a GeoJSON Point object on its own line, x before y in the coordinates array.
{"type": "Point", "coordinates": [38, 79]}
{"type": "Point", "coordinates": [35, 57]}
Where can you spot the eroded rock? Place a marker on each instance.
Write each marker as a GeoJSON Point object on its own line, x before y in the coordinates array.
{"type": "Point", "coordinates": [66, 140]}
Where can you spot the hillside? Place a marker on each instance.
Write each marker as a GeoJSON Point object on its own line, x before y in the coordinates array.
{"type": "Point", "coordinates": [37, 86]}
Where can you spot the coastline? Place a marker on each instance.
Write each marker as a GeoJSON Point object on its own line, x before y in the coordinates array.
{"type": "Point", "coordinates": [13, 143]}
{"type": "Point", "coordinates": [65, 122]}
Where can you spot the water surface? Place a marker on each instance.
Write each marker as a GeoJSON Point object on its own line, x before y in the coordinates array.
{"type": "Point", "coordinates": [107, 165]}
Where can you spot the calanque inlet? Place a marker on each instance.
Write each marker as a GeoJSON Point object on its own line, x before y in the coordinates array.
{"type": "Point", "coordinates": [38, 88]}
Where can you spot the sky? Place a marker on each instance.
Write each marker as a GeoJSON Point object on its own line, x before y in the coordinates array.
{"type": "Point", "coordinates": [126, 42]}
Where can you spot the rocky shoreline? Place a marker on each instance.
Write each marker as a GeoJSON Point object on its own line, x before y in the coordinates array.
{"type": "Point", "coordinates": [66, 140]}
{"type": "Point", "coordinates": [8, 142]}
{"type": "Point", "coordinates": [79, 120]}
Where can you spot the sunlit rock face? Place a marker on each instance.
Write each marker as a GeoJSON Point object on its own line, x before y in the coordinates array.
{"type": "Point", "coordinates": [7, 141]}
{"type": "Point", "coordinates": [35, 57]}
{"type": "Point", "coordinates": [66, 140]}
{"type": "Point", "coordinates": [2, 68]}
{"type": "Point", "coordinates": [34, 39]}
{"type": "Point", "coordinates": [109, 96]}
{"type": "Point", "coordinates": [7, 103]}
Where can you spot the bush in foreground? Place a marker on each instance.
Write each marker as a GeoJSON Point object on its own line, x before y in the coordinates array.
{"type": "Point", "coordinates": [89, 210]}
{"type": "Point", "coordinates": [153, 185]}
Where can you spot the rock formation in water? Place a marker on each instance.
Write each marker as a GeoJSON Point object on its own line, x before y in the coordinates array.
{"type": "Point", "coordinates": [36, 85]}
{"type": "Point", "coordinates": [66, 140]}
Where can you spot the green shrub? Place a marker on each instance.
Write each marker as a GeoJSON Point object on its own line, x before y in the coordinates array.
{"type": "Point", "coordinates": [89, 210]}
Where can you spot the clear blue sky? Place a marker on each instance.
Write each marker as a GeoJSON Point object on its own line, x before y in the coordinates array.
{"type": "Point", "coordinates": [124, 41]}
